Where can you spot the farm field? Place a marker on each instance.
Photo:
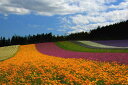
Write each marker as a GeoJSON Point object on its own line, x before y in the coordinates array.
{"type": "Point", "coordinates": [98, 45]}
{"type": "Point", "coordinates": [63, 42]}
{"type": "Point", "coordinates": [29, 66]}
{"type": "Point", "coordinates": [8, 51]}
{"type": "Point", "coordinates": [67, 45]}
{"type": "Point", "coordinates": [119, 43]}
{"type": "Point", "coordinates": [53, 50]}
{"type": "Point", "coordinates": [48, 64]}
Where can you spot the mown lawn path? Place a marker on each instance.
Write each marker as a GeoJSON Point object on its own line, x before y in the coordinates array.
{"type": "Point", "coordinates": [53, 50]}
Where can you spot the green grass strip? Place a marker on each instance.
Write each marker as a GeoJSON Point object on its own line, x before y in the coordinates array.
{"type": "Point", "coordinates": [90, 43]}
{"type": "Point", "coordinates": [67, 45]}
{"type": "Point", "coordinates": [8, 52]}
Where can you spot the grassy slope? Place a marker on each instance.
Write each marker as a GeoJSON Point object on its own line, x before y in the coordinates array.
{"type": "Point", "coordinates": [74, 47]}
{"type": "Point", "coordinates": [8, 51]}
{"type": "Point", "coordinates": [90, 43]}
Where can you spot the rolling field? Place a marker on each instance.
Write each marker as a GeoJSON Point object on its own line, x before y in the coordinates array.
{"type": "Point", "coordinates": [48, 64]}
{"type": "Point", "coordinates": [53, 50]}
{"type": "Point", "coordinates": [98, 45]}
{"type": "Point", "coordinates": [8, 51]}
{"type": "Point", "coordinates": [67, 45]}
{"type": "Point", "coordinates": [119, 43]}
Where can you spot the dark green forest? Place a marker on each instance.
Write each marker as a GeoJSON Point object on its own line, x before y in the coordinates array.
{"type": "Point", "coordinates": [117, 31]}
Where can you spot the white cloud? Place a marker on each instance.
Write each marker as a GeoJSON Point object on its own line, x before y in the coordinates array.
{"type": "Point", "coordinates": [91, 13]}
{"type": "Point", "coordinates": [86, 22]}
{"type": "Point", "coordinates": [80, 19]}
{"type": "Point", "coordinates": [93, 19]}
{"type": "Point", "coordinates": [122, 5]}
{"type": "Point", "coordinates": [86, 19]}
{"type": "Point", "coordinates": [116, 15]}
{"type": "Point", "coordinates": [52, 7]}
{"type": "Point", "coordinates": [87, 28]}
{"type": "Point", "coordinates": [42, 7]}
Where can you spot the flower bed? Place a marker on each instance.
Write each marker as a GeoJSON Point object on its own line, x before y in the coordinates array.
{"type": "Point", "coordinates": [53, 50]}
{"type": "Point", "coordinates": [98, 45]}
{"type": "Point", "coordinates": [77, 46]}
{"type": "Point", "coordinates": [33, 68]}
{"type": "Point", "coordinates": [119, 43]}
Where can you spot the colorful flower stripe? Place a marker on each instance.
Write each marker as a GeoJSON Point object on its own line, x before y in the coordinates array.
{"type": "Point", "coordinates": [53, 50]}
{"type": "Point", "coordinates": [8, 51]}
{"type": "Point", "coordinates": [94, 44]}
{"type": "Point", "coordinates": [95, 47]}
{"type": "Point", "coordinates": [29, 67]}
{"type": "Point", "coordinates": [119, 43]}
{"type": "Point", "coordinates": [78, 47]}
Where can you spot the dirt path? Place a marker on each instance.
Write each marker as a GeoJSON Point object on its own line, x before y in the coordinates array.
{"type": "Point", "coordinates": [53, 50]}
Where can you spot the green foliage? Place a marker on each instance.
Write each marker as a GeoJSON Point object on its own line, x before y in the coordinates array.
{"type": "Point", "coordinates": [100, 82]}
{"type": "Point", "coordinates": [67, 45]}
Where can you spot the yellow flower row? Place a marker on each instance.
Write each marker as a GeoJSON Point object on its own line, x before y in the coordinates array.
{"type": "Point", "coordinates": [31, 67]}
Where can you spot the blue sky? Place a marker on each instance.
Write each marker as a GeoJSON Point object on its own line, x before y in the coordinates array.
{"type": "Point", "coordinates": [28, 24]}
{"type": "Point", "coordinates": [24, 17]}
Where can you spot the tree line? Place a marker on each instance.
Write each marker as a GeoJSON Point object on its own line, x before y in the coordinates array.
{"type": "Point", "coordinates": [110, 32]}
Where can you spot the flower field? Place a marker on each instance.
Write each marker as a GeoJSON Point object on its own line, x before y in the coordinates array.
{"type": "Point", "coordinates": [98, 45]}
{"type": "Point", "coordinates": [53, 50]}
{"type": "Point", "coordinates": [74, 46]}
{"type": "Point", "coordinates": [119, 43]}
{"type": "Point", "coordinates": [31, 67]}
{"type": "Point", "coordinates": [8, 51]}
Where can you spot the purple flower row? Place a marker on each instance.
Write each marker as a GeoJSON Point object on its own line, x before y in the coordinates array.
{"type": "Point", "coordinates": [119, 43]}
{"type": "Point", "coordinates": [53, 50]}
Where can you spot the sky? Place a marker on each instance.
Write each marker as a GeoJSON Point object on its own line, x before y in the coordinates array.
{"type": "Point", "coordinates": [61, 17]}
